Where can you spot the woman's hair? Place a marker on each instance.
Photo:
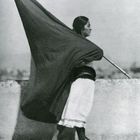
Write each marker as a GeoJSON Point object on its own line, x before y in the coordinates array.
{"type": "Point", "coordinates": [79, 23]}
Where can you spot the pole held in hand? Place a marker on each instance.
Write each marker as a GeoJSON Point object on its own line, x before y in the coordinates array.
{"type": "Point", "coordinates": [128, 76]}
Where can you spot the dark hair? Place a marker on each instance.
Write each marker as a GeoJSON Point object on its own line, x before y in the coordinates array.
{"type": "Point", "coordinates": [79, 23]}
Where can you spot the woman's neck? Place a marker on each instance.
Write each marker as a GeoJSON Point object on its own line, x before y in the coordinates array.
{"type": "Point", "coordinates": [82, 34]}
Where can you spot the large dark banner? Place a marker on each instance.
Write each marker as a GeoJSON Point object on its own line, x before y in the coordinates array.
{"type": "Point", "coordinates": [56, 50]}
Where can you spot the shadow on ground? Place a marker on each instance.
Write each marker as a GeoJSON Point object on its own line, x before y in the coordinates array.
{"type": "Point", "coordinates": [27, 129]}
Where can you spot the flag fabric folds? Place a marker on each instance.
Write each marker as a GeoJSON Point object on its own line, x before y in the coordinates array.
{"type": "Point", "coordinates": [56, 50]}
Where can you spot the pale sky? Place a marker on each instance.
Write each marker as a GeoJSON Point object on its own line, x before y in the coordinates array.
{"type": "Point", "coordinates": [115, 28]}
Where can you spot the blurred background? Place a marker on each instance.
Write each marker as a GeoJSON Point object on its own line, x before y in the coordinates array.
{"type": "Point", "coordinates": [115, 28]}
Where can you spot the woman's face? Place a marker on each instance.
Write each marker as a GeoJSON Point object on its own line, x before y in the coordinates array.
{"type": "Point", "coordinates": [87, 30]}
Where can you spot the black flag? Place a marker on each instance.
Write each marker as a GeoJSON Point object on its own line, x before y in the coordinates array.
{"type": "Point", "coordinates": [56, 50]}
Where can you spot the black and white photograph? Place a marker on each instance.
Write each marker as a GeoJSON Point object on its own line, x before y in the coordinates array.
{"type": "Point", "coordinates": [69, 70]}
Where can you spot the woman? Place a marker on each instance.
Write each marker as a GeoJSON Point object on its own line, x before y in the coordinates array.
{"type": "Point", "coordinates": [80, 99]}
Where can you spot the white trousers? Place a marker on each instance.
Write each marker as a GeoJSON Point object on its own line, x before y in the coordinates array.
{"type": "Point", "coordinates": [79, 103]}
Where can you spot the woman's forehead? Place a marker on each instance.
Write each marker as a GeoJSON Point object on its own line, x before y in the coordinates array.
{"type": "Point", "coordinates": [88, 23]}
